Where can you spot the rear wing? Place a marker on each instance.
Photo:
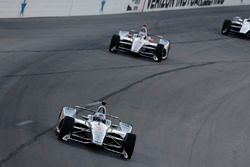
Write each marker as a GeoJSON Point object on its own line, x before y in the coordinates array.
{"type": "Point", "coordinates": [89, 106]}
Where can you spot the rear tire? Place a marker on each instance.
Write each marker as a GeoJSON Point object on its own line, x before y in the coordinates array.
{"type": "Point", "coordinates": [66, 127]}
{"type": "Point", "coordinates": [226, 27]}
{"type": "Point", "coordinates": [114, 43]}
{"type": "Point", "coordinates": [129, 144]}
{"type": "Point", "coordinates": [159, 52]}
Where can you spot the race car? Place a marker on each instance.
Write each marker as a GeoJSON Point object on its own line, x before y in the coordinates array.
{"type": "Point", "coordinates": [141, 43]}
{"type": "Point", "coordinates": [239, 25]}
{"type": "Point", "coordinates": [94, 126]}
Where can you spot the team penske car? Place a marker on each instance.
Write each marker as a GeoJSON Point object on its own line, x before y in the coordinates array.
{"type": "Point", "coordinates": [239, 25]}
{"type": "Point", "coordinates": [141, 43]}
{"type": "Point", "coordinates": [94, 126]}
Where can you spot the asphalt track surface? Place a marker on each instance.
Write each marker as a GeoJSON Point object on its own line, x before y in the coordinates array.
{"type": "Point", "coordinates": [189, 111]}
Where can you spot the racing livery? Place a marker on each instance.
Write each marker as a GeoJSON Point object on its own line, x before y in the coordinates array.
{"type": "Point", "coordinates": [96, 128]}
{"type": "Point", "coordinates": [238, 25]}
{"type": "Point", "coordinates": [141, 43]}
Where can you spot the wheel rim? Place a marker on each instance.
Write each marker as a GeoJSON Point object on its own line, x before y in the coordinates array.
{"type": "Point", "coordinates": [113, 49]}
{"type": "Point", "coordinates": [224, 30]}
{"type": "Point", "coordinates": [125, 155]}
{"type": "Point", "coordinates": [155, 58]}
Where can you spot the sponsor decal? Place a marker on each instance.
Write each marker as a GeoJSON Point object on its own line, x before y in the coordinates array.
{"type": "Point", "coordinates": [102, 5]}
{"type": "Point", "coordinates": [133, 5]}
{"type": "Point", "coordinates": [99, 128]}
{"type": "Point", "coordinates": [23, 6]}
{"type": "Point", "coordinates": [155, 4]}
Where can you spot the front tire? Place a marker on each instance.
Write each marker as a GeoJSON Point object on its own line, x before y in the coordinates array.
{"type": "Point", "coordinates": [159, 53]}
{"type": "Point", "coordinates": [66, 127]}
{"type": "Point", "coordinates": [114, 43]}
{"type": "Point", "coordinates": [226, 27]}
{"type": "Point", "coordinates": [129, 144]}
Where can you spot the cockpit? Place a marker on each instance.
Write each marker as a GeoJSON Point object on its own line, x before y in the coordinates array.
{"type": "Point", "coordinates": [100, 115]}
{"type": "Point", "coordinates": [143, 32]}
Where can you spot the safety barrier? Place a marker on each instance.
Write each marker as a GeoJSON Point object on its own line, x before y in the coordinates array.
{"type": "Point", "coordinates": [51, 8]}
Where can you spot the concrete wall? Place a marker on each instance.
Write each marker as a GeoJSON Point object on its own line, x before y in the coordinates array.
{"type": "Point", "coordinates": [48, 8]}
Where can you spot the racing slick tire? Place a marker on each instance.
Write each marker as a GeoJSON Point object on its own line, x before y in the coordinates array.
{"type": "Point", "coordinates": [114, 43]}
{"type": "Point", "coordinates": [159, 53]}
{"type": "Point", "coordinates": [66, 127]}
{"type": "Point", "coordinates": [129, 145]}
{"type": "Point", "coordinates": [248, 34]}
{"type": "Point", "coordinates": [226, 27]}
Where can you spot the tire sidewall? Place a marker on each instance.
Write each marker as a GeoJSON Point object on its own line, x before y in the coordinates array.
{"type": "Point", "coordinates": [114, 42]}
{"type": "Point", "coordinates": [159, 51]}
{"type": "Point", "coordinates": [66, 127]}
{"type": "Point", "coordinates": [226, 27]}
{"type": "Point", "coordinates": [129, 144]}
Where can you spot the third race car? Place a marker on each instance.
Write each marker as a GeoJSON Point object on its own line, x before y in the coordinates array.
{"type": "Point", "coordinates": [239, 25]}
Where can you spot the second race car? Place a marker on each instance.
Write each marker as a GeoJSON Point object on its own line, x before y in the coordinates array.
{"type": "Point", "coordinates": [141, 43]}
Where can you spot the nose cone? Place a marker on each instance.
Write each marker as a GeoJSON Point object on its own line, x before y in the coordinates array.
{"type": "Point", "coordinates": [137, 45]}
{"type": "Point", "coordinates": [98, 132]}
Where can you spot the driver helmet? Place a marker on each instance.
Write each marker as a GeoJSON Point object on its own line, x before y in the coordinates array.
{"type": "Point", "coordinates": [99, 117]}
{"type": "Point", "coordinates": [143, 31]}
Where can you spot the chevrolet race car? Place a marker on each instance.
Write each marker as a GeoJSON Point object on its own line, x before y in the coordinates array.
{"type": "Point", "coordinates": [141, 43]}
{"type": "Point", "coordinates": [96, 128]}
{"type": "Point", "coordinates": [238, 25]}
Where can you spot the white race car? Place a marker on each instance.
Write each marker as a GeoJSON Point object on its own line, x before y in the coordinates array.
{"type": "Point", "coordinates": [237, 25]}
{"type": "Point", "coordinates": [95, 128]}
{"type": "Point", "coordinates": [141, 43]}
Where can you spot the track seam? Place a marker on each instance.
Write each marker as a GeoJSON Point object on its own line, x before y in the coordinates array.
{"type": "Point", "coordinates": [35, 138]}
{"type": "Point", "coordinates": [203, 124]}
{"type": "Point", "coordinates": [24, 145]}
{"type": "Point", "coordinates": [77, 71]}
{"type": "Point", "coordinates": [109, 68]}
{"type": "Point", "coordinates": [91, 49]}
{"type": "Point", "coordinates": [150, 77]}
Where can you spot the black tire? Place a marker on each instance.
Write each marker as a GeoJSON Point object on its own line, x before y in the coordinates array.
{"type": "Point", "coordinates": [248, 34]}
{"type": "Point", "coordinates": [66, 127]}
{"type": "Point", "coordinates": [114, 43]}
{"type": "Point", "coordinates": [159, 52]}
{"type": "Point", "coordinates": [226, 27]}
{"type": "Point", "coordinates": [129, 144]}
